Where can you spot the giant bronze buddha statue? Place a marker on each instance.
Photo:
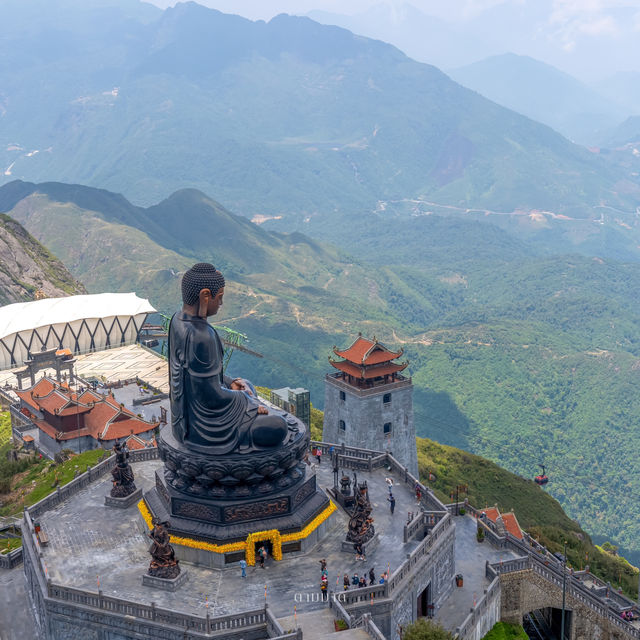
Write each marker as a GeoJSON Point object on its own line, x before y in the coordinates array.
{"type": "Point", "coordinates": [231, 463]}
{"type": "Point", "coordinates": [210, 412]}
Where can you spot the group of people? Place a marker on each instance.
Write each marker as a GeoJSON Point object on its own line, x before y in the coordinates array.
{"type": "Point", "coordinates": [360, 581]}
{"type": "Point", "coordinates": [354, 581]}
{"type": "Point", "coordinates": [261, 554]}
{"type": "Point", "coordinates": [628, 615]}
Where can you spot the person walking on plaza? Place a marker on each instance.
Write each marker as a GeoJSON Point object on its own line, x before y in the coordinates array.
{"type": "Point", "coordinates": [392, 502]}
{"type": "Point", "coordinates": [346, 582]}
{"type": "Point", "coordinates": [243, 567]}
{"type": "Point", "coordinates": [319, 455]}
{"type": "Point", "coordinates": [372, 577]}
{"type": "Point", "coordinates": [262, 553]}
{"type": "Point", "coordinates": [323, 587]}
{"type": "Point", "coordinates": [323, 564]}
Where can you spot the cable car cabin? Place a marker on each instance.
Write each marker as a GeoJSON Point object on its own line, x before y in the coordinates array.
{"type": "Point", "coordinates": [541, 480]}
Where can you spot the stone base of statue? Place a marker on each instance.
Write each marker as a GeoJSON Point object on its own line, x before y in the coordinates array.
{"type": "Point", "coordinates": [221, 500]}
{"type": "Point", "coordinates": [124, 502]}
{"type": "Point", "coordinates": [166, 584]}
{"type": "Point", "coordinates": [367, 547]}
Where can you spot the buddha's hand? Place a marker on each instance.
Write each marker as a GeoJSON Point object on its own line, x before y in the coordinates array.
{"type": "Point", "coordinates": [262, 410]}
{"type": "Point", "coordinates": [239, 385]}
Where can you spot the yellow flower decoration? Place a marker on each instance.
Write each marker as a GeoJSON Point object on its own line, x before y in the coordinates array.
{"type": "Point", "coordinates": [249, 547]}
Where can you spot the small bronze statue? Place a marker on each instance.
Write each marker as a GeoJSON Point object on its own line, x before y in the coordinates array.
{"type": "Point", "coordinates": [163, 558]}
{"type": "Point", "coordinates": [123, 484]}
{"type": "Point", "coordinates": [361, 527]}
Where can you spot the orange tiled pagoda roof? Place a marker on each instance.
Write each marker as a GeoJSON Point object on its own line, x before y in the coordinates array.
{"type": "Point", "coordinates": [367, 359]}
{"type": "Point", "coordinates": [367, 352]}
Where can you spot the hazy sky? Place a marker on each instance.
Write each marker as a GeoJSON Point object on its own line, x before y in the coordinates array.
{"type": "Point", "coordinates": [589, 38]}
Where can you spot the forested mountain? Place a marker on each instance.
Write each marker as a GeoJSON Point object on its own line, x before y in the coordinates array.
{"type": "Point", "coordinates": [543, 93]}
{"type": "Point", "coordinates": [286, 118]}
{"type": "Point", "coordinates": [517, 352]}
{"type": "Point", "coordinates": [28, 269]}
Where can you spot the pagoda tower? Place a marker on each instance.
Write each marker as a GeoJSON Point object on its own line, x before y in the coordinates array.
{"type": "Point", "coordinates": [369, 403]}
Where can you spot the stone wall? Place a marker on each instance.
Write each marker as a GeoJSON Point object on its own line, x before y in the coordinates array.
{"type": "Point", "coordinates": [364, 415]}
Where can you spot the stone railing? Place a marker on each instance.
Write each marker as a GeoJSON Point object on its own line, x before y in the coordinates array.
{"type": "Point", "coordinates": [339, 611]}
{"type": "Point", "coordinates": [19, 421]}
{"type": "Point", "coordinates": [441, 529]}
{"type": "Point", "coordinates": [481, 610]}
{"type": "Point", "coordinates": [86, 478]}
{"type": "Point", "coordinates": [390, 386]}
{"type": "Point", "coordinates": [371, 628]}
{"type": "Point", "coordinates": [11, 559]}
{"type": "Point", "coordinates": [574, 587]}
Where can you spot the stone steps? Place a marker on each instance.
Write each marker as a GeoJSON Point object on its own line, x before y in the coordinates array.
{"type": "Point", "coordinates": [317, 625]}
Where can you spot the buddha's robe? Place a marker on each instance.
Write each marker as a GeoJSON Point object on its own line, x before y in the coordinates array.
{"type": "Point", "coordinates": [205, 413]}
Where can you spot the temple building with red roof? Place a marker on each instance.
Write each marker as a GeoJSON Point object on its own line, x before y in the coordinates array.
{"type": "Point", "coordinates": [369, 402]}
{"type": "Point", "coordinates": [79, 420]}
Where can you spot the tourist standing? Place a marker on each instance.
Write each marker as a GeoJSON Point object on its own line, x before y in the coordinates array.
{"type": "Point", "coordinates": [262, 553]}
{"type": "Point", "coordinates": [392, 503]}
{"type": "Point", "coordinates": [319, 454]}
{"type": "Point", "coordinates": [345, 582]}
{"type": "Point", "coordinates": [243, 568]}
{"type": "Point", "coordinates": [372, 576]}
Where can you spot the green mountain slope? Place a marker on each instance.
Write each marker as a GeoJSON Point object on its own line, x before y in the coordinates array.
{"type": "Point", "coordinates": [515, 353]}
{"type": "Point", "coordinates": [537, 512]}
{"type": "Point", "coordinates": [282, 118]}
{"type": "Point", "coordinates": [27, 268]}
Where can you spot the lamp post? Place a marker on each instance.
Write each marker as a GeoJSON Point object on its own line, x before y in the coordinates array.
{"type": "Point", "coordinates": [564, 588]}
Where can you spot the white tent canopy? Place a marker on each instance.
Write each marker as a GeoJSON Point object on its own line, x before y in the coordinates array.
{"type": "Point", "coordinates": [79, 323]}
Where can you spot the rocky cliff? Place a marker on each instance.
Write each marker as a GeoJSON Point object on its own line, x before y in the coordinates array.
{"type": "Point", "coordinates": [27, 269]}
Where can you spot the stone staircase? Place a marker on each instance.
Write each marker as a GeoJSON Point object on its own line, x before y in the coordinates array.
{"type": "Point", "coordinates": [317, 625]}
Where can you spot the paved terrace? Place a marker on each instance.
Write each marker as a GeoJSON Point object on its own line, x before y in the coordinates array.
{"type": "Point", "coordinates": [471, 558]}
{"type": "Point", "coordinates": [90, 542]}
{"type": "Point", "coordinates": [121, 363]}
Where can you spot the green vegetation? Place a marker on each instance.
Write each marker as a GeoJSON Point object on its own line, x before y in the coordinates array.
{"type": "Point", "coordinates": [537, 512]}
{"type": "Point", "coordinates": [426, 630]}
{"type": "Point", "coordinates": [9, 544]}
{"type": "Point", "coordinates": [5, 427]}
{"type": "Point", "coordinates": [31, 479]}
{"type": "Point", "coordinates": [506, 631]}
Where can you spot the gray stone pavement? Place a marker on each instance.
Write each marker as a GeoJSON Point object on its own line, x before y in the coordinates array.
{"type": "Point", "coordinates": [91, 542]}
{"type": "Point", "coordinates": [16, 618]}
{"type": "Point", "coordinates": [471, 558]}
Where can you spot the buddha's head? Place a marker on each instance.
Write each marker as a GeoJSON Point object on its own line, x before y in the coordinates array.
{"type": "Point", "coordinates": [202, 290]}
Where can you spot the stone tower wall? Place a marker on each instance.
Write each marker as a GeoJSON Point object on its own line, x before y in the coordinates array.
{"type": "Point", "coordinates": [365, 414]}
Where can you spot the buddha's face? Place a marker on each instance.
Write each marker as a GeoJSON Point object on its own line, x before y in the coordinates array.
{"type": "Point", "coordinates": [215, 303]}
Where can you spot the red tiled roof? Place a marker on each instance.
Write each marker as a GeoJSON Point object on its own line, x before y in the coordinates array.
{"type": "Point", "coordinates": [368, 372]}
{"type": "Point", "coordinates": [492, 513]}
{"type": "Point", "coordinates": [368, 352]}
{"type": "Point", "coordinates": [133, 443]}
{"type": "Point", "coordinates": [103, 418]}
{"type": "Point", "coordinates": [511, 525]}
{"type": "Point", "coordinates": [124, 428]}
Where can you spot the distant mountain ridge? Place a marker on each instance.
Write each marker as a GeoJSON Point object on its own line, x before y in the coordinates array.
{"type": "Point", "coordinates": [543, 93]}
{"type": "Point", "coordinates": [287, 118]}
